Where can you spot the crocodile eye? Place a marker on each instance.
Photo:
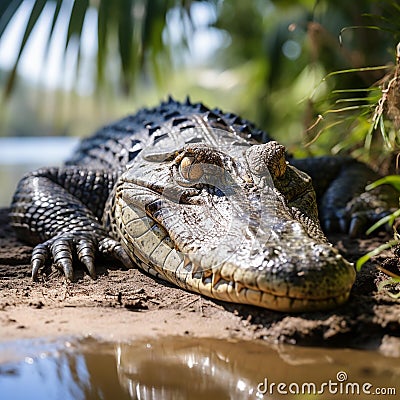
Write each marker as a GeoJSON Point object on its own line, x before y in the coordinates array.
{"type": "Point", "coordinates": [190, 170]}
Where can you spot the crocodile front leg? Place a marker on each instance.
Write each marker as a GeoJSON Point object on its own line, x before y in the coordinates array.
{"type": "Point", "coordinates": [59, 211]}
{"type": "Point", "coordinates": [343, 203]}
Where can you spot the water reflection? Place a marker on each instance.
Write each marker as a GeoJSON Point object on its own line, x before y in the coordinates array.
{"type": "Point", "coordinates": [186, 368]}
{"type": "Point", "coordinates": [195, 369]}
{"type": "Point", "coordinates": [70, 370]}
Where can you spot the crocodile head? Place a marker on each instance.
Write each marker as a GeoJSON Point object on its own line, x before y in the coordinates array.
{"type": "Point", "coordinates": [233, 222]}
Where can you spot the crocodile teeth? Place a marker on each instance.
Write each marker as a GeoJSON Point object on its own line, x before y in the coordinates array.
{"type": "Point", "coordinates": [195, 269]}
{"type": "Point", "coordinates": [216, 278]}
{"type": "Point", "coordinates": [187, 264]}
{"type": "Point", "coordinates": [238, 287]}
{"type": "Point", "coordinates": [207, 273]}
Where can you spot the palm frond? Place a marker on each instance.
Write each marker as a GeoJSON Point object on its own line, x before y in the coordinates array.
{"type": "Point", "coordinates": [132, 29]}
{"type": "Point", "coordinates": [8, 8]}
{"type": "Point", "coordinates": [33, 18]}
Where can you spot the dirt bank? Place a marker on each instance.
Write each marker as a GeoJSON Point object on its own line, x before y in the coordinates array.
{"type": "Point", "coordinates": [123, 304]}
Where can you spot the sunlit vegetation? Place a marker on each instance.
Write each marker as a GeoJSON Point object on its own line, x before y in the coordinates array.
{"type": "Point", "coordinates": [310, 72]}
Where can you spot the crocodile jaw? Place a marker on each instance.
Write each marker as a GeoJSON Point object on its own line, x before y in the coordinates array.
{"type": "Point", "coordinates": [254, 270]}
{"type": "Point", "coordinates": [317, 284]}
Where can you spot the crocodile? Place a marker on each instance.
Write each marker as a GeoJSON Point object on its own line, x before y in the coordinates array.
{"type": "Point", "coordinates": [203, 199]}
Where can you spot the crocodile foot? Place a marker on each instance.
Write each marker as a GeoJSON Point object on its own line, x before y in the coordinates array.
{"type": "Point", "coordinates": [63, 248]}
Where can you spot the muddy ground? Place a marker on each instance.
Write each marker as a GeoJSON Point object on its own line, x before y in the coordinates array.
{"type": "Point", "coordinates": [124, 304]}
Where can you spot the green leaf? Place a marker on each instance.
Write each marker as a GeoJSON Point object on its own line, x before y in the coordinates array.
{"type": "Point", "coordinates": [373, 27]}
{"type": "Point", "coordinates": [355, 99]}
{"type": "Point", "coordinates": [368, 137]}
{"type": "Point", "coordinates": [125, 39]}
{"type": "Point", "coordinates": [384, 134]}
{"type": "Point", "coordinates": [104, 17]}
{"type": "Point", "coordinates": [53, 24]}
{"type": "Point", "coordinates": [75, 25]}
{"type": "Point", "coordinates": [7, 11]}
{"type": "Point", "coordinates": [350, 108]}
{"type": "Point", "coordinates": [151, 24]}
{"type": "Point", "coordinates": [353, 70]}
{"type": "Point", "coordinates": [138, 25]}
{"type": "Point", "coordinates": [33, 18]}
{"type": "Point", "coordinates": [362, 260]}
{"type": "Point", "coordinates": [151, 36]}
{"type": "Point", "coordinates": [387, 219]}
{"type": "Point", "coordinates": [393, 180]}
{"type": "Point", "coordinates": [369, 89]}
{"type": "Point", "coordinates": [76, 19]}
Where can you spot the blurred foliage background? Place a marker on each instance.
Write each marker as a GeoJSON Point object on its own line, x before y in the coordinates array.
{"type": "Point", "coordinates": [312, 73]}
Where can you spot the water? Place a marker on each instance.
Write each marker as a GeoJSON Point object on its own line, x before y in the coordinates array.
{"type": "Point", "coordinates": [190, 368]}
{"type": "Point", "coordinates": [20, 155]}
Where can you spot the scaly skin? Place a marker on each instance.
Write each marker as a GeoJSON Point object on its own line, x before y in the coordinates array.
{"type": "Point", "coordinates": [189, 196]}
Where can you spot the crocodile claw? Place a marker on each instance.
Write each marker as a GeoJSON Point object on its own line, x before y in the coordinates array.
{"type": "Point", "coordinates": [62, 250]}
{"type": "Point", "coordinates": [358, 224]}
{"type": "Point", "coordinates": [85, 251]}
{"type": "Point", "coordinates": [114, 249]}
{"type": "Point", "coordinates": [354, 224]}
{"type": "Point", "coordinates": [39, 256]}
